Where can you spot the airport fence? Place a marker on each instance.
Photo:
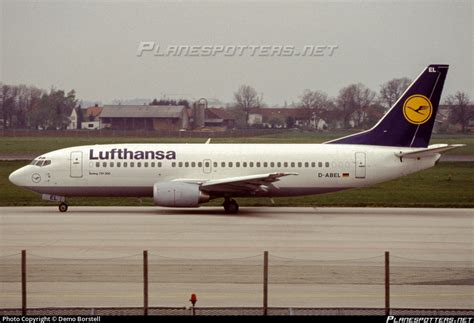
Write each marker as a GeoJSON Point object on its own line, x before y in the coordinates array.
{"type": "Point", "coordinates": [151, 284]}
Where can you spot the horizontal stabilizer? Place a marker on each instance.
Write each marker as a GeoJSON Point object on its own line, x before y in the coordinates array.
{"type": "Point", "coordinates": [430, 151]}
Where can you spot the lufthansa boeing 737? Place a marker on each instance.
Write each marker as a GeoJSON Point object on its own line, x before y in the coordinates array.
{"type": "Point", "coordinates": [185, 175]}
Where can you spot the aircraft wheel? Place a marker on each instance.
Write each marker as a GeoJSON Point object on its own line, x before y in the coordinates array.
{"type": "Point", "coordinates": [231, 206]}
{"type": "Point", "coordinates": [63, 207]}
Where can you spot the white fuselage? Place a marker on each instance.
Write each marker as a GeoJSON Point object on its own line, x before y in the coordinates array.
{"type": "Point", "coordinates": [117, 169]}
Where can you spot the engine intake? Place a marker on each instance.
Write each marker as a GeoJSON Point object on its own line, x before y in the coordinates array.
{"type": "Point", "coordinates": [178, 194]}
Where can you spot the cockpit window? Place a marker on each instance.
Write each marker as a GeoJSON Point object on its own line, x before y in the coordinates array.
{"type": "Point", "coordinates": [40, 163]}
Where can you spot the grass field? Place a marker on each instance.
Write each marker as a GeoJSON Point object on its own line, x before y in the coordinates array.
{"type": "Point", "coordinates": [41, 145]}
{"type": "Point", "coordinates": [446, 185]}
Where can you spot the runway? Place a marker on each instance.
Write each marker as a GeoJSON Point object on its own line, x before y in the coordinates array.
{"type": "Point", "coordinates": [317, 254]}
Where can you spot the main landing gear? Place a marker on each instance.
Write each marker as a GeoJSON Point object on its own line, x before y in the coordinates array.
{"type": "Point", "coordinates": [63, 207]}
{"type": "Point", "coordinates": [230, 206]}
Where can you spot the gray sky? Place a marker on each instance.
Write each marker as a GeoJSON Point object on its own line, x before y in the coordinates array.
{"type": "Point", "coordinates": [91, 46]}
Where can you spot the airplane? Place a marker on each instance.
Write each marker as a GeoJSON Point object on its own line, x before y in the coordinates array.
{"type": "Point", "coordinates": [186, 175]}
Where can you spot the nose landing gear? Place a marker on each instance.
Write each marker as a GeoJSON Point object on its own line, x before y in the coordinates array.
{"type": "Point", "coordinates": [63, 207]}
{"type": "Point", "coordinates": [230, 206]}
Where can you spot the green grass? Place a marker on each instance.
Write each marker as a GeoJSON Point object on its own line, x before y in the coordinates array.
{"type": "Point", "coordinates": [446, 185]}
{"type": "Point", "coordinates": [40, 145]}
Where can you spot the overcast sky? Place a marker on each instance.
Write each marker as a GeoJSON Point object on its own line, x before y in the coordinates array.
{"type": "Point", "coordinates": [91, 46]}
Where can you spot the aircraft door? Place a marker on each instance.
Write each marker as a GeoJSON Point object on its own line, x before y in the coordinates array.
{"type": "Point", "coordinates": [76, 164]}
{"type": "Point", "coordinates": [207, 166]}
{"type": "Point", "coordinates": [360, 165]}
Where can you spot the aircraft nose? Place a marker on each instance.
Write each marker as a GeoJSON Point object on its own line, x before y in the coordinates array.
{"type": "Point", "coordinates": [15, 177]}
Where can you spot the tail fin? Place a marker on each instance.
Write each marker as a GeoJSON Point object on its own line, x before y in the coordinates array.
{"type": "Point", "coordinates": [410, 121]}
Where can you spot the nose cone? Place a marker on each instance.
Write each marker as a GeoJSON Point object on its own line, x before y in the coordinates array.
{"type": "Point", "coordinates": [16, 177]}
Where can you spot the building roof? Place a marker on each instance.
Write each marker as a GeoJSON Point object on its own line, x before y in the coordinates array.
{"type": "Point", "coordinates": [270, 113]}
{"type": "Point", "coordinates": [93, 111]}
{"type": "Point", "coordinates": [142, 111]}
{"type": "Point", "coordinates": [218, 113]}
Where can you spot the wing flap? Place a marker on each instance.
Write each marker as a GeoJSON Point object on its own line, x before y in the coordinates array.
{"type": "Point", "coordinates": [242, 183]}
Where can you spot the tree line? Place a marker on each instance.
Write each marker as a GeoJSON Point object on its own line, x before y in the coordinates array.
{"type": "Point", "coordinates": [355, 106]}
{"type": "Point", "coordinates": [27, 107]}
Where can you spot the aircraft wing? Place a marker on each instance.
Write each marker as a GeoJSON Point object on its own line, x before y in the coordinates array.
{"type": "Point", "coordinates": [424, 152]}
{"type": "Point", "coordinates": [243, 183]}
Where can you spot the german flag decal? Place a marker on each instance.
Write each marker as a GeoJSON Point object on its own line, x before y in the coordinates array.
{"type": "Point", "coordinates": [345, 174]}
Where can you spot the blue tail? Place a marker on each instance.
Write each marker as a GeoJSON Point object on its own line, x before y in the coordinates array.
{"type": "Point", "coordinates": [410, 121]}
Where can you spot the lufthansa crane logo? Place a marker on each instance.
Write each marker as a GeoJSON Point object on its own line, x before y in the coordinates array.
{"type": "Point", "coordinates": [36, 178]}
{"type": "Point", "coordinates": [417, 109]}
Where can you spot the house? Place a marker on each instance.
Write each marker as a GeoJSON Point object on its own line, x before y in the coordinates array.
{"type": "Point", "coordinates": [72, 120]}
{"type": "Point", "coordinates": [90, 119]}
{"type": "Point", "coordinates": [286, 118]}
{"type": "Point", "coordinates": [145, 117]}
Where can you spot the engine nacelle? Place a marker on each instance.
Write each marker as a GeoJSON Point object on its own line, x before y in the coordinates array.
{"type": "Point", "coordinates": [178, 194]}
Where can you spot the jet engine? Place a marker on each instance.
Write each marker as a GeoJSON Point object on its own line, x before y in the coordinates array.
{"type": "Point", "coordinates": [178, 194]}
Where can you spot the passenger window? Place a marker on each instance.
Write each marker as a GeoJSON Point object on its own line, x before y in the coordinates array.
{"type": "Point", "coordinates": [292, 164]}
{"type": "Point", "coordinates": [244, 164]}
{"type": "Point", "coordinates": [180, 164]}
{"type": "Point", "coordinates": [132, 164]}
{"type": "Point", "coordinates": [173, 164]}
{"type": "Point", "coordinates": [186, 164]}
{"type": "Point", "coordinates": [215, 164]}
{"type": "Point", "coordinates": [111, 164]}
{"type": "Point", "coordinates": [285, 164]}
{"type": "Point", "coordinates": [159, 164]}
{"type": "Point", "coordinates": [272, 164]}
{"type": "Point", "coordinates": [313, 164]}
{"type": "Point", "coordinates": [200, 164]}
{"type": "Point", "coordinates": [300, 164]}
{"type": "Point", "coordinates": [237, 164]}
{"type": "Point", "coordinates": [327, 164]}
{"type": "Point", "coordinates": [265, 164]}
{"type": "Point", "coordinates": [139, 164]}
{"type": "Point", "coordinates": [104, 164]}
{"type": "Point", "coordinates": [193, 164]}
{"type": "Point", "coordinates": [146, 164]}
{"type": "Point", "coordinates": [258, 164]}
{"type": "Point", "coordinates": [97, 164]}
{"type": "Point", "coordinates": [223, 164]}
{"type": "Point", "coordinates": [119, 164]}
{"type": "Point", "coordinates": [320, 164]}
{"type": "Point", "coordinates": [278, 164]}
{"type": "Point", "coordinates": [152, 164]}
{"type": "Point", "coordinates": [230, 164]}
{"type": "Point", "coordinates": [250, 164]}
{"type": "Point", "coordinates": [306, 164]}
{"type": "Point", "coordinates": [125, 164]}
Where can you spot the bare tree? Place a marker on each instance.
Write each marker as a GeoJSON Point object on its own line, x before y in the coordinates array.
{"type": "Point", "coordinates": [316, 101]}
{"type": "Point", "coordinates": [246, 99]}
{"type": "Point", "coordinates": [460, 111]}
{"type": "Point", "coordinates": [392, 90]}
{"type": "Point", "coordinates": [354, 100]}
